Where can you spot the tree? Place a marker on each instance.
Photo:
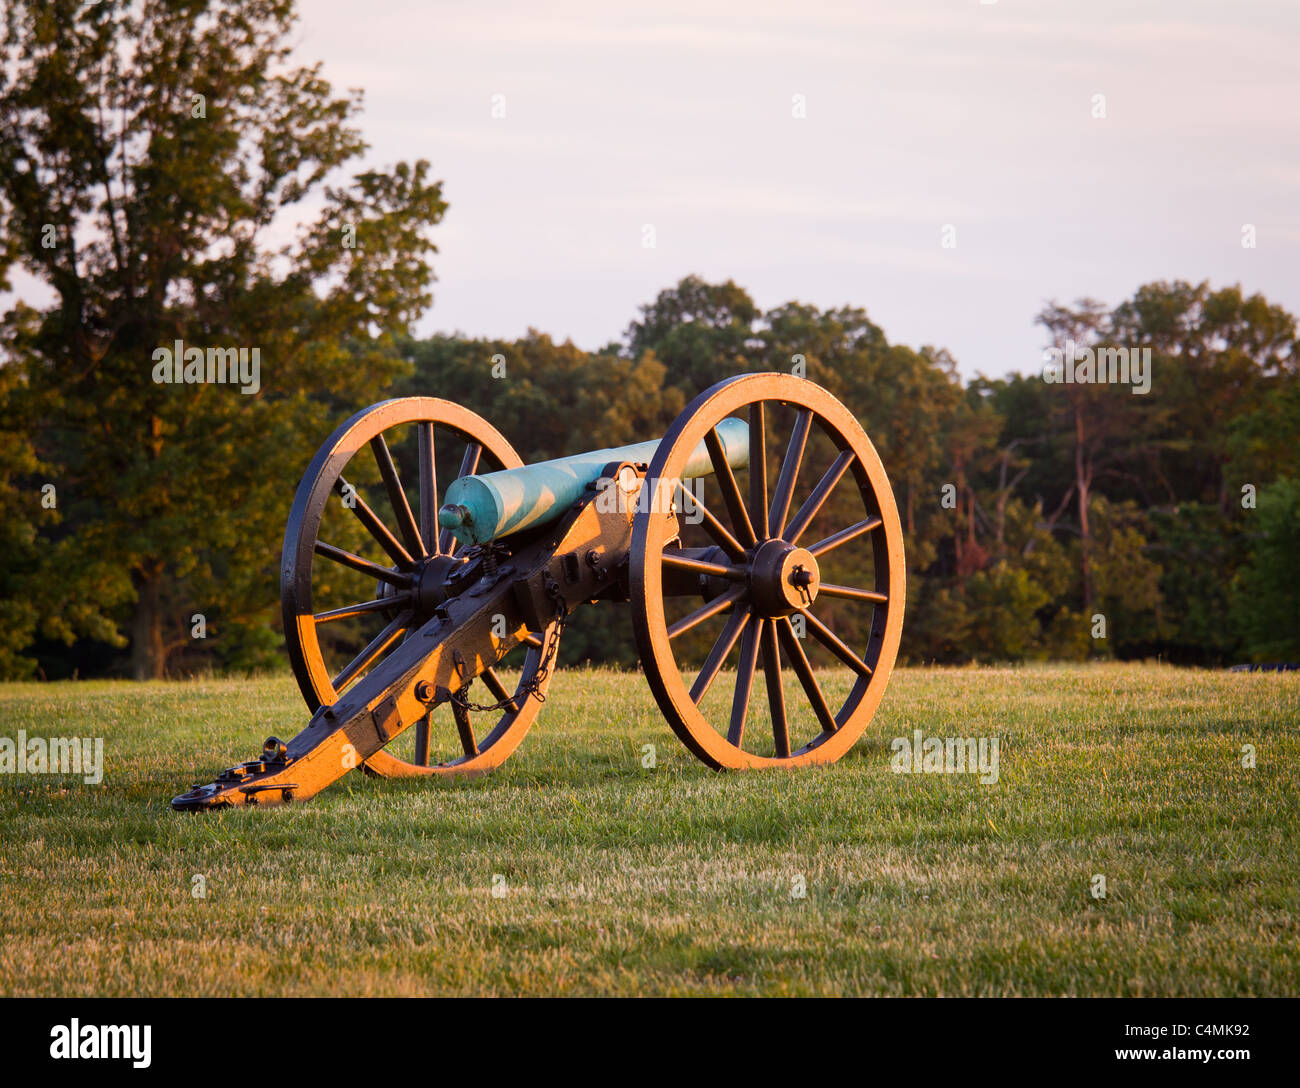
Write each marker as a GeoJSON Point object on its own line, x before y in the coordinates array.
{"type": "Point", "coordinates": [1267, 608]}
{"type": "Point", "coordinates": [1218, 358]}
{"type": "Point", "coordinates": [1102, 421]}
{"type": "Point", "coordinates": [1127, 579]}
{"type": "Point", "coordinates": [148, 153]}
{"type": "Point", "coordinates": [702, 332]}
{"type": "Point", "coordinates": [1189, 540]}
{"type": "Point", "coordinates": [24, 516]}
{"type": "Point", "coordinates": [1003, 601]}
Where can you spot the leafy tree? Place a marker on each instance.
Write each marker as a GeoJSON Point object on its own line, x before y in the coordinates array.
{"type": "Point", "coordinates": [835, 346]}
{"type": "Point", "coordinates": [1266, 608]}
{"type": "Point", "coordinates": [1099, 423]}
{"type": "Point", "coordinates": [150, 154]}
{"type": "Point", "coordinates": [1024, 460]}
{"type": "Point", "coordinates": [552, 399]}
{"type": "Point", "coordinates": [1003, 603]}
{"type": "Point", "coordinates": [938, 622]}
{"type": "Point", "coordinates": [1261, 442]}
{"type": "Point", "coordinates": [1197, 547]}
{"type": "Point", "coordinates": [702, 332]}
{"type": "Point", "coordinates": [1127, 579]}
{"type": "Point", "coordinates": [1218, 357]}
{"type": "Point", "coordinates": [25, 514]}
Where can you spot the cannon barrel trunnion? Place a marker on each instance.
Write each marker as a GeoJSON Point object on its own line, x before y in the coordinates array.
{"type": "Point", "coordinates": [759, 534]}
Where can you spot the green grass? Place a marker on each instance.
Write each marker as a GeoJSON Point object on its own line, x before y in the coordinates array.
{"type": "Point", "coordinates": [676, 880]}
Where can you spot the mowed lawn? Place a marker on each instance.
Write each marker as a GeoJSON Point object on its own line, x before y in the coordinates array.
{"type": "Point", "coordinates": [620, 879]}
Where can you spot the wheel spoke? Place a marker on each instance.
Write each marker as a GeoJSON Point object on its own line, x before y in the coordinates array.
{"type": "Point", "coordinates": [718, 604]}
{"type": "Point", "coordinates": [534, 639]}
{"type": "Point", "coordinates": [498, 689]}
{"type": "Point", "coordinates": [817, 499]}
{"type": "Point", "coordinates": [365, 566]}
{"type": "Point", "coordinates": [464, 728]}
{"type": "Point", "coordinates": [720, 533]}
{"type": "Point", "coordinates": [699, 566]}
{"type": "Point", "coordinates": [789, 472]}
{"type": "Point", "coordinates": [730, 489]}
{"type": "Point", "coordinates": [836, 645]}
{"type": "Point", "coordinates": [348, 611]}
{"type": "Point", "coordinates": [373, 525]}
{"type": "Point", "coordinates": [775, 693]}
{"type": "Point", "coordinates": [377, 647]}
{"type": "Point", "coordinates": [717, 655]}
{"type": "Point", "coordinates": [397, 496]}
{"type": "Point", "coordinates": [758, 468]}
{"type": "Point", "coordinates": [447, 543]}
{"type": "Point", "coordinates": [422, 742]}
{"type": "Point", "coordinates": [803, 670]}
{"type": "Point", "coordinates": [428, 489]}
{"type": "Point", "coordinates": [744, 684]}
{"type": "Point", "coordinates": [851, 593]}
{"type": "Point", "coordinates": [845, 535]}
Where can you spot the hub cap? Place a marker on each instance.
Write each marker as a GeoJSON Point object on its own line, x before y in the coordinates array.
{"type": "Point", "coordinates": [783, 578]}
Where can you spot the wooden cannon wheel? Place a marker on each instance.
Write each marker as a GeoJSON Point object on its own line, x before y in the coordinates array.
{"type": "Point", "coordinates": [768, 577]}
{"type": "Point", "coordinates": [393, 596]}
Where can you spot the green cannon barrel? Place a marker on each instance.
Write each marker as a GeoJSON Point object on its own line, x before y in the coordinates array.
{"type": "Point", "coordinates": [482, 508]}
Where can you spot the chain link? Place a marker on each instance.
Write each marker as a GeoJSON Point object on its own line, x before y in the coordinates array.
{"type": "Point", "coordinates": [532, 686]}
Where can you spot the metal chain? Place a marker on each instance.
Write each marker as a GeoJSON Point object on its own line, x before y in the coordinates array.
{"type": "Point", "coordinates": [532, 686]}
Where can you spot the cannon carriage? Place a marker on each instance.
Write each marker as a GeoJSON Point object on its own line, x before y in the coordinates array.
{"type": "Point", "coordinates": [469, 586]}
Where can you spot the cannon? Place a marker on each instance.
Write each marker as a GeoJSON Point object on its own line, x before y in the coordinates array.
{"type": "Point", "coordinates": [397, 627]}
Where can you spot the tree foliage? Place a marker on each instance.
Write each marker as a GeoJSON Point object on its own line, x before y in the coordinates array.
{"type": "Point", "coordinates": [153, 158]}
{"type": "Point", "coordinates": [1015, 566]}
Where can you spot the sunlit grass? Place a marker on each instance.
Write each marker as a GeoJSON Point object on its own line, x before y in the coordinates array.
{"type": "Point", "coordinates": [623, 879]}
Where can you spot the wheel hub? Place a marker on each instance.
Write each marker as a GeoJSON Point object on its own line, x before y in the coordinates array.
{"type": "Point", "coordinates": [783, 578]}
{"type": "Point", "coordinates": [431, 585]}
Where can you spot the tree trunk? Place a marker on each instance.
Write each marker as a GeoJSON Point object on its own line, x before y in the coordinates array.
{"type": "Point", "coordinates": [1002, 502]}
{"type": "Point", "coordinates": [148, 656]}
{"type": "Point", "coordinates": [1082, 480]}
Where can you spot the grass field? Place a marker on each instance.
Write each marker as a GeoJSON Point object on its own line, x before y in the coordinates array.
{"type": "Point", "coordinates": [674, 880]}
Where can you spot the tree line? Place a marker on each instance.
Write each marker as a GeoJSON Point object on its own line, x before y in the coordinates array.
{"type": "Point", "coordinates": [1042, 519]}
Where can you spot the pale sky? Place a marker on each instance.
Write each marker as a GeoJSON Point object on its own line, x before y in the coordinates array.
{"type": "Point", "coordinates": [918, 114]}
